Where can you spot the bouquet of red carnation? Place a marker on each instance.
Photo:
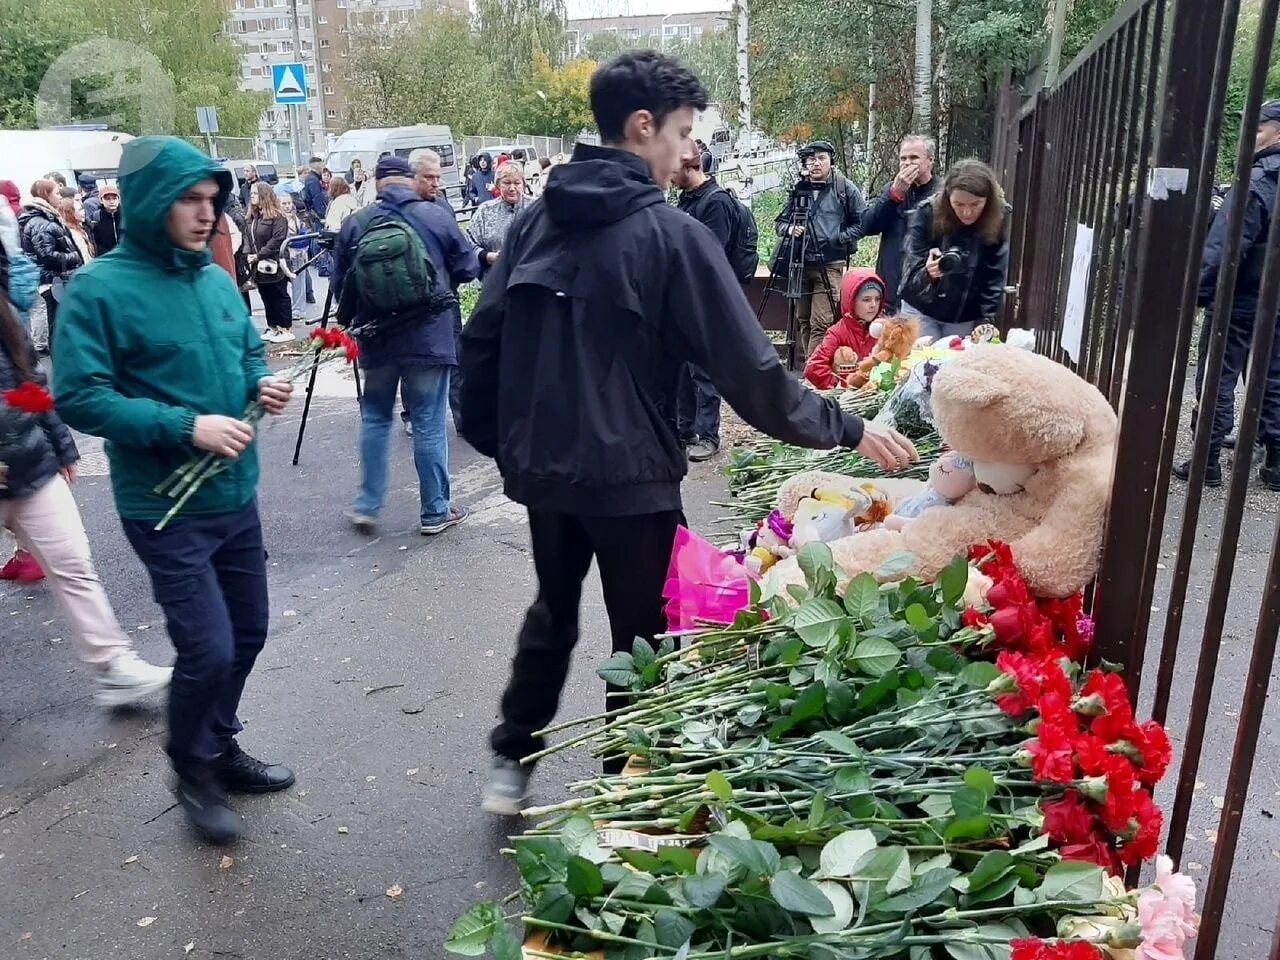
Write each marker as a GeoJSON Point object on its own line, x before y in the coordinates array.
{"type": "Point", "coordinates": [324, 345]}
{"type": "Point", "coordinates": [29, 397]}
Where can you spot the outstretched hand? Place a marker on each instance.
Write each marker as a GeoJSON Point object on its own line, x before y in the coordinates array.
{"type": "Point", "coordinates": [886, 446]}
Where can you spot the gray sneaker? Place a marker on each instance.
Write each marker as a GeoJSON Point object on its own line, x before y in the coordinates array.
{"type": "Point", "coordinates": [454, 517]}
{"type": "Point", "coordinates": [702, 449]}
{"type": "Point", "coordinates": [362, 522]}
{"type": "Point", "coordinates": [507, 789]}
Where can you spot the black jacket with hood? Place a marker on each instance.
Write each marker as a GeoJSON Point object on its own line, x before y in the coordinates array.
{"type": "Point", "coordinates": [570, 361]}
{"type": "Point", "coordinates": [47, 241]}
{"type": "Point", "coordinates": [889, 218]}
{"type": "Point", "coordinates": [106, 232]}
{"type": "Point", "coordinates": [973, 293]}
{"type": "Point", "coordinates": [1258, 211]}
{"type": "Point", "coordinates": [835, 221]}
{"type": "Point", "coordinates": [33, 446]}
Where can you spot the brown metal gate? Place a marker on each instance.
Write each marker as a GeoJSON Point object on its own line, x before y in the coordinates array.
{"type": "Point", "coordinates": [1110, 172]}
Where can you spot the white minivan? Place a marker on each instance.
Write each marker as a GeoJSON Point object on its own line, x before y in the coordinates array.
{"type": "Point", "coordinates": [369, 145]}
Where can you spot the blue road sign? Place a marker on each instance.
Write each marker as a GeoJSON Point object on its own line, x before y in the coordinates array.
{"type": "Point", "coordinates": [289, 81]}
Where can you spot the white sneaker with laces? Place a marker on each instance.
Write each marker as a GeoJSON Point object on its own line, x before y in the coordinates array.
{"type": "Point", "coordinates": [268, 333]}
{"type": "Point", "coordinates": [285, 336]}
{"type": "Point", "coordinates": [128, 678]}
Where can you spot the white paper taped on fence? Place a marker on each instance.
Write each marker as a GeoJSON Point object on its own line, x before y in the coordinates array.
{"type": "Point", "coordinates": [1077, 292]}
{"type": "Point", "coordinates": [1163, 181]}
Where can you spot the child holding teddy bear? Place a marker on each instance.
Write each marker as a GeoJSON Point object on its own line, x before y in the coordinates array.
{"type": "Point", "coordinates": [850, 339]}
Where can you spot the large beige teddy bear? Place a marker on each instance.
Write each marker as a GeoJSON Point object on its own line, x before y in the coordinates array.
{"type": "Point", "coordinates": [1013, 414]}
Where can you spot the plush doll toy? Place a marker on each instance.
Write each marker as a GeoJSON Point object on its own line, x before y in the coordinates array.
{"type": "Point", "coordinates": [950, 478]}
{"type": "Point", "coordinates": [896, 337]}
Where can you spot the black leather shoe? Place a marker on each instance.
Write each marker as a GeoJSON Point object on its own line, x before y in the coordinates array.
{"type": "Point", "coordinates": [207, 810]}
{"type": "Point", "coordinates": [1212, 472]}
{"type": "Point", "coordinates": [241, 773]}
{"type": "Point", "coordinates": [1269, 472]}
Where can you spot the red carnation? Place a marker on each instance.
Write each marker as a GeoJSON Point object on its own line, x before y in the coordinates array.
{"type": "Point", "coordinates": [29, 397]}
{"type": "Point", "coordinates": [1051, 753]}
{"type": "Point", "coordinates": [1076, 950]}
{"type": "Point", "coordinates": [1029, 949]}
{"type": "Point", "coordinates": [1157, 752]}
{"type": "Point", "coordinates": [1069, 820]}
{"type": "Point", "coordinates": [1091, 754]}
{"type": "Point", "coordinates": [1146, 840]}
{"type": "Point", "coordinates": [1122, 790]}
{"type": "Point", "coordinates": [1055, 708]}
{"type": "Point", "coordinates": [974, 619]}
{"type": "Point", "coordinates": [1096, 851]}
{"type": "Point", "coordinates": [1105, 692]}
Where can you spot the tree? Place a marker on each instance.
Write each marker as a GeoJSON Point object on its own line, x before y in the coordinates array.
{"type": "Point", "coordinates": [511, 31]}
{"type": "Point", "coordinates": [433, 72]}
{"type": "Point", "coordinates": [713, 57]}
{"type": "Point", "coordinates": [554, 102]}
{"type": "Point", "coordinates": [923, 117]}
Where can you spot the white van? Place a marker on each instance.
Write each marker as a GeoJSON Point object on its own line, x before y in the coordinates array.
{"type": "Point", "coordinates": [369, 145]}
{"type": "Point", "coordinates": [30, 154]}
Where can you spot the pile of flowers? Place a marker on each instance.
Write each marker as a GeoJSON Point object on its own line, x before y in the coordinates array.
{"type": "Point", "coordinates": [885, 773]}
{"type": "Point", "coordinates": [323, 346]}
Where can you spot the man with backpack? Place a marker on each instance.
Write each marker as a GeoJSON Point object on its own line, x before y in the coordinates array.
{"type": "Point", "coordinates": [393, 266]}
{"type": "Point", "coordinates": [734, 226]}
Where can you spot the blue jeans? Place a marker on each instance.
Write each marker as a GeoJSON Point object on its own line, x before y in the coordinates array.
{"type": "Point", "coordinates": [209, 575]}
{"type": "Point", "coordinates": [426, 395]}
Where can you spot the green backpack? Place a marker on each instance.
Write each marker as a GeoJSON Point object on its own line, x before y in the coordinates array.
{"type": "Point", "coordinates": [392, 280]}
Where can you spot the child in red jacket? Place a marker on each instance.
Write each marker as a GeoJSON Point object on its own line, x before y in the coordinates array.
{"type": "Point", "coordinates": [861, 298]}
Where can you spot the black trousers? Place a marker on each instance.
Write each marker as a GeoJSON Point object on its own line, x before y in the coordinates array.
{"type": "Point", "coordinates": [276, 304]}
{"type": "Point", "coordinates": [1234, 364]}
{"type": "Point", "coordinates": [697, 406]}
{"type": "Point", "coordinates": [51, 314]}
{"type": "Point", "coordinates": [633, 554]}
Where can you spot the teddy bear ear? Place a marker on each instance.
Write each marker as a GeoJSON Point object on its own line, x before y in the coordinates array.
{"type": "Point", "coordinates": [968, 386]}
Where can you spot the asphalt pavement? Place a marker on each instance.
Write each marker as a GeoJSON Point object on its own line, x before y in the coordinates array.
{"type": "Point", "coordinates": [378, 685]}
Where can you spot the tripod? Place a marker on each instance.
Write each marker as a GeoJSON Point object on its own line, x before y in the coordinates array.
{"type": "Point", "coordinates": [793, 258]}
{"type": "Point", "coordinates": [315, 368]}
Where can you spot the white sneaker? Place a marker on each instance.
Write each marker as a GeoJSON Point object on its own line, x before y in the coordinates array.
{"type": "Point", "coordinates": [129, 678]}
{"type": "Point", "coordinates": [268, 333]}
{"type": "Point", "coordinates": [285, 336]}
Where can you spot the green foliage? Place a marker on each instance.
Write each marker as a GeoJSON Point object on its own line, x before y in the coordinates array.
{"type": "Point", "coordinates": [1242, 60]}
{"type": "Point", "coordinates": [553, 102]}
{"type": "Point", "coordinates": [511, 32]}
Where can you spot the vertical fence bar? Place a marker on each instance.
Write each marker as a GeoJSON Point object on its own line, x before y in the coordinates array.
{"type": "Point", "coordinates": [1165, 245]}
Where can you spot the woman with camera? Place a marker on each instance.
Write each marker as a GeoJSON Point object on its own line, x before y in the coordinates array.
{"type": "Point", "coordinates": [957, 254]}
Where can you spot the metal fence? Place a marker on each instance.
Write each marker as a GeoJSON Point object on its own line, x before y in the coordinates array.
{"type": "Point", "coordinates": [546, 146]}
{"type": "Point", "coordinates": [1111, 173]}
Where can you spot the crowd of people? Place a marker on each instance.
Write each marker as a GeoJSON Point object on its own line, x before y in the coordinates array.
{"type": "Point", "coordinates": [609, 325]}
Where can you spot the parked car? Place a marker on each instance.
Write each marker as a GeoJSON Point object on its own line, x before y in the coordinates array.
{"type": "Point", "coordinates": [370, 145]}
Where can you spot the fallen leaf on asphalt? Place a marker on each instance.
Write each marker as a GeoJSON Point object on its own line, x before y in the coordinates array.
{"type": "Point", "coordinates": [146, 921]}
{"type": "Point", "coordinates": [1192, 865]}
{"type": "Point", "coordinates": [343, 830]}
{"type": "Point", "coordinates": [290, 613]}
{"type": "Point", "coordinates": [1211, 836]}
{"type": "Point", "coordinates": [1200, 784]}
{"type": "Point", "coordinates": [370, 778]}
{"type": "Point", "coordinates": [189, 947]}
{"type": "Point", "coordinates": [412, 771]}
{"type": "Point", "coordinates": [1219, 802]}
{"type": "Point", "coordinates": [226, 863]}
{"type": "Point", "coordinates": [129, 860]}
{"type": "Point", "coordinates": [394, 891]}
{"type": "Point", "coordinates": [25, 936]}
{"type": "Point", "coordinates": [488, 653]}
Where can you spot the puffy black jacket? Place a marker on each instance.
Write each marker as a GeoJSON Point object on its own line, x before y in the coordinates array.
{"type": "Point", "coordinates": [570, 361]}
{"type": "Point", "coordinates": [971, 294]}
{"type": "Point", "coordinates": [835, 221]}
{"type": "Point", "coordinates": [33, 446]}
{"type": "Point", "coordinates": [106, 232]}
{"type": "Point", "coordinates": [1257, 221]}
{"type": "Point", "coordinates": [890, 218]}
{"type": "Point", "coordinates": [46, 239]}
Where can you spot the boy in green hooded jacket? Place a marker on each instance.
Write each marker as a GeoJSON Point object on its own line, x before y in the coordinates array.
{"type": "Point", "coordinates": [157, 355]}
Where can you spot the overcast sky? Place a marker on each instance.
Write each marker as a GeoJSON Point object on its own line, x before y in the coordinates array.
{"type": "Point", "coordinates": [609, 8]}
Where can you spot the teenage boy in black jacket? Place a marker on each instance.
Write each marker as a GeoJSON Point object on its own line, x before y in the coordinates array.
{"type": "Point", "coordinates": [570, 362]}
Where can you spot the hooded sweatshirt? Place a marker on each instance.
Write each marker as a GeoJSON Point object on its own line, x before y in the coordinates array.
{"type": "Point", "coordinates": [9, 190]}
{"type": "Point", "coordinates": [571, 358]}
{"type": "Point", "coordinates": [151, 336]}
{"type": "Point", "coordinates": [848, 331]}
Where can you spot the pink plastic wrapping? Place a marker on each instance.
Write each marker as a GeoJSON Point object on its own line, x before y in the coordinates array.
{"type": "Point", "coordinates": [703, 583]}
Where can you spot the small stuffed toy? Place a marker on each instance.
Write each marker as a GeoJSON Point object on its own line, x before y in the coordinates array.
{"type": "Point", "coordinates": [844, 362]}
{"type": "Point", "coordinates": [896, 337]}
{"type": "Point", "coordinates": [950, 478]}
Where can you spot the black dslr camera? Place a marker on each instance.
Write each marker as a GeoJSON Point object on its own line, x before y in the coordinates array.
{"type": "Point", "coordinates": [952, 259]}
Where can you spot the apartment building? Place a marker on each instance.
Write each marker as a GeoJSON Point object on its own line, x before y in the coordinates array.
{"type": "Point", "coordinates": [656, 30]}
{"type": "Point", "coordinates": [264, 31]}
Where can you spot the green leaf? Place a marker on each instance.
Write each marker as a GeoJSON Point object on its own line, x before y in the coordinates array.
{"type": "Point", "coordinates": [851, 779]}
{"type": "Point", "coordinates": [634, 886]}
{"type": "Point", "coordinates": [839, 700]}
{"type": "Point", "coordinates": [918, 618]}
{"type": "Point", "coordinates": [619, 670]}
{"type": "Point", "coordinates": [937, 805]}
{"type": "Point", "coordinates": [584, 878]}
{"type": "Point", "coordinates": [815, 558]}
{"type": "Point", "coordinates": [874, 656]}
{"type": "Point", "coordinates": [895, 564]}
{"type": "Point", "coordinates": [862, 598]}
{"type": "Point", "coordinates": [756, 858]}
{"type": "Point", "coordinates": [672, 929]}
{"type": "Point", "coordinates": [841, 855]}
{"type": "Point", "coordinates": [704, 891]}
{"type": "Point", "coordinates": [995, 891]}
{"type": "Point", "coordinates": [927, 888]}
{"type": "Point", "coordinates": [719, 784]}
{"type": "Point", "coordinates": [797, 592]}
{"type": "Point", "coordinates": [810, 703]}
{"type": "Point", "coordinates": [840, 741]}
{"type": "Point", "coordinates": [980, 779]}
{"type": "Point", "coordinates": [887, 867]}
{"type": "Point", "coordinates": [642, 654]}
{"type": "Point", "coordinates": [990, 868]}
{"type": "Point", "coordinates": [953, 580]}
{"type": "Point", "coordinates": [1072, 880]}
{"type": "Point", "coordinates": [798, 895]}
{"type": "Point", "coordinates": [682, 859]}
{"type": "Point", "coordinates": [968, 802]}
{"type": "Point", "coordinates": [505, 945]}
{"type": "Point", "coordinates": [816, 621]}
{"type": "Point", "coordinates": [640, 859]}
{"type": "Point", "coordinates": [979, 674]}
{"type": "Point", "coordinates": [841, 908]}
{"type": "Point", "coordinates": [818, 810]}
{"type": "Point", "coordinates": [668, 645]}
{"type": "Point", "coordinates": [472, 931]}
{"type": "Point", "coordinates": [555, 905]}
{"type": "Point", "coordinates": [967, 828]}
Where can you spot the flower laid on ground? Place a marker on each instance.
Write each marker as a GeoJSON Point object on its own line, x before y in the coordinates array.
{"type": "Point", "coordinates": [29, 397]}
{"type": "Point", "coordinates": [858, 773]}
{"type": "Point", "coordinates": [323, 346]}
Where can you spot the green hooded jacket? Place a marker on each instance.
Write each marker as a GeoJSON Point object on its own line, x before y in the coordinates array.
{"type": "Point", "coordinates": [150, 336]}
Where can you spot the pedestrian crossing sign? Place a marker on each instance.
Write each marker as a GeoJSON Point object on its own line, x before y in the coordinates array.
{"type": "Point", "coordinates": [289, 81]}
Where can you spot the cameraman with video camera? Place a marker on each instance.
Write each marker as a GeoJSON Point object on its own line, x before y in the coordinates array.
{"type": "Point", "coordinates": [834, 216]}
{"type": "Point", "coordinates": [957, 254]}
